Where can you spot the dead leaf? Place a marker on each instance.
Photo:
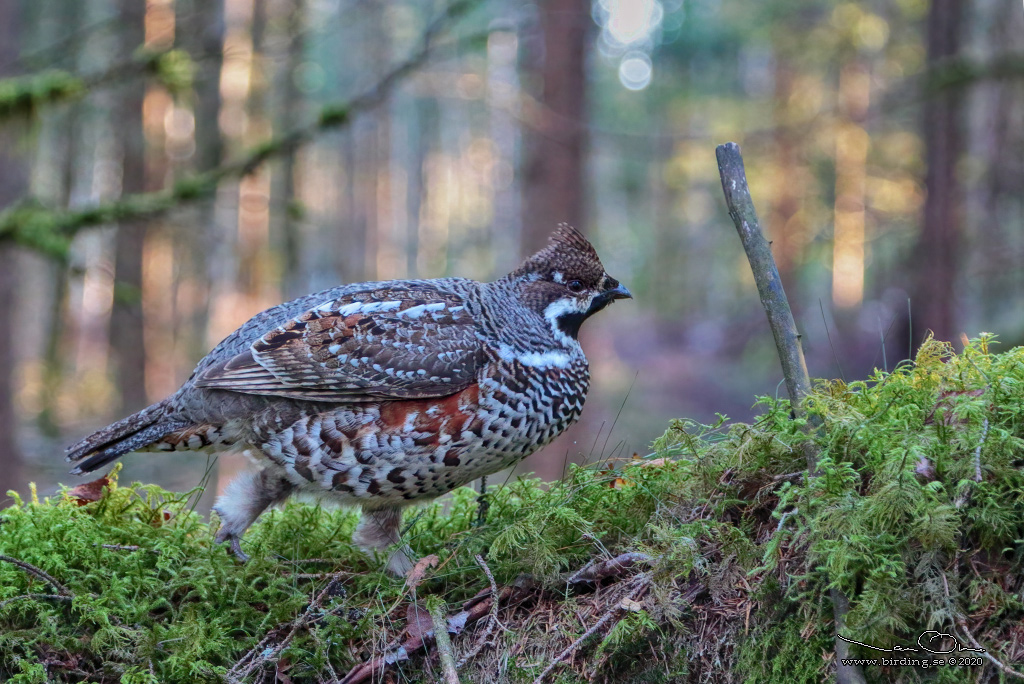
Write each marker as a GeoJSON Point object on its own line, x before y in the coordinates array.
{"type": "Point", "coordinates": [419, 623]}
{"type": "Point", "coordinates": [419, 571]}
{"type": "Point", "coordinates": [631, 605]}
{"type": "Point", "coordinates": [159, 520]}
{"type": "Point", "coordinates": [88, 492]}
{"type": "Point", "coordinates": [458, 623]}
{"type": "Point", "coordinates": [283, 665]}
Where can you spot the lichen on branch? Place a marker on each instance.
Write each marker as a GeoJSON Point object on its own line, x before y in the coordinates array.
{"type": "Point", "coordinates": [49, 230]}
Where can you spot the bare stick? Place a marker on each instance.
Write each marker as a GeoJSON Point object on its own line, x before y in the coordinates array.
{"type": "Point", "coordinates": [444, 644]}
{"type": "Point", "coordinates": [46, 577]}
{"type": "Point", "coordinates": [482, 504]}
{"type": "Point", "coordinates": [613, 613]}
{"type": "Point", "coordinates": [122, 547]}
{"type": "Point", "coordinates": [787, 340]}
{"type": "Point", "coordinates": [986, 653]}
{"type": "Point", "coordinates": [595, 572]}
{"type": "Point", "coordinates": [48, 597]}
{"type": "Point", "coordinates": [492, 618]}
{"type": "Point", "coordinates": [766, 273]}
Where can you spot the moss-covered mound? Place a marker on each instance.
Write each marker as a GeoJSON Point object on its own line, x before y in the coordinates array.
{"type": "Point", "coordinates": [708, 561]}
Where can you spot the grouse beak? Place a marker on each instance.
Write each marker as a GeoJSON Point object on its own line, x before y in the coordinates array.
{"type": "Point", "coordinates": [618, 292]}
{"type": "Point", "coordinates": [608, 295]}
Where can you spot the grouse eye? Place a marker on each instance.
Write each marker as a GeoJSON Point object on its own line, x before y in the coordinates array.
{"type": "Point", "coordinates": [574, 286]}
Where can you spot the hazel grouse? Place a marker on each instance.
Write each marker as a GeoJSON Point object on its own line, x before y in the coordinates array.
{"type": "Point", "coordinates": [383, 394]}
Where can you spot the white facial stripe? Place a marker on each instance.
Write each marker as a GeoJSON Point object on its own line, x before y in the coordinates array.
{"type": "Point", "coordinates": [558, 277]}
{"type": "Point", "coordinates": [559, 308]}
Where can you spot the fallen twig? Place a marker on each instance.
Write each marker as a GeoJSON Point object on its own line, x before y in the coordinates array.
{"type": "Point", "coordinates": [595, 572]}
{"type": "Point", "coordinates": [977, 452]}
{"type": "Point", "coordinates": [122, 547]}
{"type": "Point", "coordinates": [41, 574]}
{"type": "Point", "coordinates": [492, 618]}
{"type": "Point", "coordinates": [782, 518]}
{"type": "Point", "coordinates": [302, 561]}
{"type": "Point", "coordinates": [264, 652]}
{"type": "Point", "coordinates": [472, 611]}
{"type": "Point", "coordinates": [962, 623]}
{"type": "Point", "coordinates": [483, 504]}
{"type": "Point", "coordinates": [49, 597]}
{"type": "Point", "coordinates": [444, 644]}
{"type": "Point", "coordinates": [311, 575]}
{"type": "Point", "coordinates": [642, 582]}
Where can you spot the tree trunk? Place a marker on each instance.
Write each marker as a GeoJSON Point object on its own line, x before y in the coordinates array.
{"type": "Point", "coordinates": [286, 108]}
{"type": "Point", "coordinates": [126, 320]}
{"type": "Point", "coordinates": [55, 172]}
{"type": "Point", "coordinates": [933, 298]}
{"type": "Point", "coordinates": [202, 35]}
{"type": "Point", "coordinates": [554, 171]}
{"type": "Point", "coordinates": [13, 185]}
{"type": "Point", "coordinates": [504, 111]}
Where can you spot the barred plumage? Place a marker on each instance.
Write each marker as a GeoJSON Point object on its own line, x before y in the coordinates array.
{"type": "Point", "coordinates": [383, 394]}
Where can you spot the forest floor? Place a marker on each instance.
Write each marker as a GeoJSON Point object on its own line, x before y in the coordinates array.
{"type": "Point", "coordinates": [710, 561]}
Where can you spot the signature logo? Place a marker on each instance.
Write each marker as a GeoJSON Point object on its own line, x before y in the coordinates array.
{"type": "Point", "coordinates": [930, 641]}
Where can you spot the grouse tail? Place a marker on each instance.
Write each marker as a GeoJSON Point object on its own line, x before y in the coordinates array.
{"type": "Point", "coordinates": [129, 434]}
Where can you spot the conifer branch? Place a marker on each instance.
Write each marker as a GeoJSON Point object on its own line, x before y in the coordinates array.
{"type": "Point", "coordinates": [23, 96]}
{"type": "Point", "coordinates": [50, 231]}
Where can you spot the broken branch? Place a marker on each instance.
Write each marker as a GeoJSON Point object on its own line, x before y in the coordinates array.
{"type": "Point", "coordinates": [641, 582]}
{"type": "Point", "coordinates": [41, 574]}
{"type": "Point", "coordinates": [492, 618]}
{"type": "Point", "coordinates": [787, 342]}
{"type": "Point", "coordinates": [444, 644]}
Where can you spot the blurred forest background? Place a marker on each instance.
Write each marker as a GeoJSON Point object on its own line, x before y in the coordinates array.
{"type": "Point", "coordinates": [170, 167]}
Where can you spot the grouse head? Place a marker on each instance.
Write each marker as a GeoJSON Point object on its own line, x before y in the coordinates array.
{"type": "Point", "coordinates": [566, 283]}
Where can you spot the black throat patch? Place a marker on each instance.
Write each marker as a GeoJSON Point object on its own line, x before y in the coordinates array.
{"type": "Point", "coordinates": [570, 323]}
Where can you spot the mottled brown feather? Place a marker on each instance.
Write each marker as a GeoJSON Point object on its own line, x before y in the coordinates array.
{"type": "Point", "coordinates": [393, 343]}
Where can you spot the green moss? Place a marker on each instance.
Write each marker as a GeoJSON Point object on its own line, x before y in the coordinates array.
{"type": "Point", "coordinates": [23, 96]}
{"type": "Point", "coordinates": [742, 546]}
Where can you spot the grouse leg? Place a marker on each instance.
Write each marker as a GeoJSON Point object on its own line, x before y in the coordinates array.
{"type": "Point", "coordinates": [483, 504]}
{"type": "Point", "coordinates": [377, 531]}
{"type": "Point", "coordinates": [246, 497]}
